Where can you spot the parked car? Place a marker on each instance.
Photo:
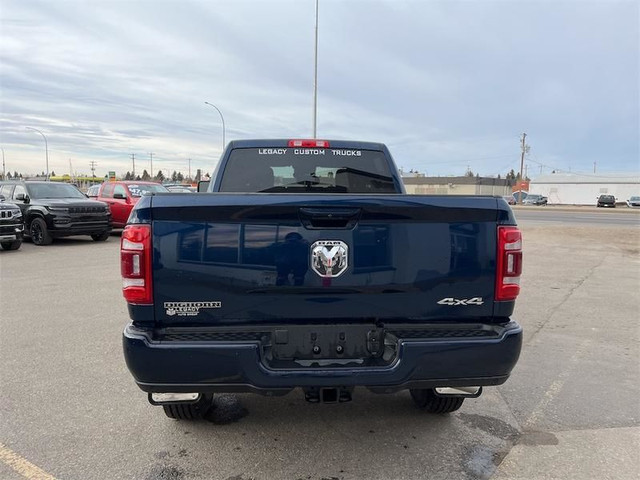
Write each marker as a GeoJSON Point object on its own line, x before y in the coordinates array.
{"type": "Point", "coordinates": [122, 196]}
{"type": "Point", "coordinates": [633, 202]}
{"type": "Point", "coordinates": [93, 191]}
{"type": "Point", "coordinates": [11, 225]}
{"type": "Point", "coordinates": [606, 201]}
{"type": "Point", "coordinates": [51, 210]}
{"type": "Point", "coordinates": [510, 199]}
{"type": "Point", "coordinates": [518, 194]}
{"type": "Point", "coordinates": [533, 199]}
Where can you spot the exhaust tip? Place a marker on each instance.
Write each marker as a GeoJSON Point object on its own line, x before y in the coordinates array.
{"type": "Point", "coordinates": [169, 398]}
{"type": "Point", "coordinates": [467, 392]}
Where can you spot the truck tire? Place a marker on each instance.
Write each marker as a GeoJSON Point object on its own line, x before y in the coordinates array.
{"type": "Point", "coordinates": [427, 400]}
{"type": "Point", "coordinates": [190, 411]}
{"type": "Point", "coordinates": [13, 245]}
{"type": "Point", "coordinates": [39, 233]}
{"type": "Point", "coordinates": [100, 237]}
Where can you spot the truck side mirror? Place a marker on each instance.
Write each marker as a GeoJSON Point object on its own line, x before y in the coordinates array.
{"type": "Point", "coordinates": [22, 198]}
{"type": "Point", "coordinates": [203, 185]}
{"type": "Point", "coordinates": [120, 196]}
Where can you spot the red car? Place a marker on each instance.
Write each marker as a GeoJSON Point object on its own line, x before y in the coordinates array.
{"type": "Point", "coordinates": [122, 197]}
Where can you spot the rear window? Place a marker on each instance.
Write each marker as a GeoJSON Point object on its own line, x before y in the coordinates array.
{"type": "Point", "coordinates": [307, 170]}
{"type": "Point", "coordinates": [606, 197]}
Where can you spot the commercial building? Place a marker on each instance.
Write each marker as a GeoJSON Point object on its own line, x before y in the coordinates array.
{"type": "Point", "coordinates": [456, 185]}
{"type": "Point", "coordinates": [584, 189]}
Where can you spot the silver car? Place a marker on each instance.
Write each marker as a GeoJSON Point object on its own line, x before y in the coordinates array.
{"type": "Point", "coordinates": [633, 202]}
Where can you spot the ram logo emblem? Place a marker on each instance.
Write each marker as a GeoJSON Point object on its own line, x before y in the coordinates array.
{"type": "Point", "coordinates": [329, 258]}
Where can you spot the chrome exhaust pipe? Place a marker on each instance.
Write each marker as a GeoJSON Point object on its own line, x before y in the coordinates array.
{"type": "Point", "coordinates": [466, 392]}
{"type": "Point", "coordinates": [173, 398]}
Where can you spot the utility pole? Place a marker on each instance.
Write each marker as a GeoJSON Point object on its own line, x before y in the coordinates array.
{"type": "Point", "coordinates": [93, 164]}
{"type": "Point", "coordinates": [4, 174]}
{"type": "Point", "coordinates": [526, 171]}
{"type": "Point", "coordinates": [151, 155]}
{"type": "Point", "coordinates": [189, 169]}
{"type": "Point", "coordinates": [594, 167]}
{"type": "Point", "coordinates": [315, 79]}
{"type": "Point", "coordinates": [133, 160]}
{"type": "Point", "coordinates": [524, 135]}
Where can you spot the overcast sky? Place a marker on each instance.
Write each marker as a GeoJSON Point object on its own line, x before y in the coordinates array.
{"type": "Point", "coordinates": [447, 85]}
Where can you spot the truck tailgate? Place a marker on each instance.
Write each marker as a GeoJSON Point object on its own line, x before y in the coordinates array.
{"type": "Point", "coordinates": [247, 259]}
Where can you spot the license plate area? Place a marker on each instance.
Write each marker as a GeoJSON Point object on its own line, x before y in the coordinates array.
{"type": "Point", "coordinates": [327, 342]}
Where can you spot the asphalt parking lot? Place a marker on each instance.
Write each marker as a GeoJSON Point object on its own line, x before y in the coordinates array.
{"type": "Point", "coordinates": [70, 409]}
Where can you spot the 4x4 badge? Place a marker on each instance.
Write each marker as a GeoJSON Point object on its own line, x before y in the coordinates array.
{"type": "Point", "coordinates": [461, 301]}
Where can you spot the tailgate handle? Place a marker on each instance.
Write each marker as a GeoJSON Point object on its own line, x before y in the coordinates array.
{"type": "Point", "coordinates": [314, 218]}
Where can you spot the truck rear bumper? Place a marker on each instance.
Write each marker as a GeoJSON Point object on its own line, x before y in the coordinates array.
{"type": "Point", "coordinates": [238, 366]}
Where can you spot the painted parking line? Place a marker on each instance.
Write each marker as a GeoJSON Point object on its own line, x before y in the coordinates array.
{"type": "Point", "coordinates": [23, 466]}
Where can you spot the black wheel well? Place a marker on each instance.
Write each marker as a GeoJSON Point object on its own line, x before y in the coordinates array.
{"type": "Point", "coordinates": [32, 216]}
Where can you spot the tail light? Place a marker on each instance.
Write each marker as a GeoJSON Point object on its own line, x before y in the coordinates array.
{"type": "Point", "coordinates": [135, 264]}
{"type": "Point", "coordinates": [309, 143]}
{"type": "Point", "coordinates": [509, 263]}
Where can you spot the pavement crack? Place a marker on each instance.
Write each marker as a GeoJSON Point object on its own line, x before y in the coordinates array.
{"type": "Point", "coordinates": [565, 299]}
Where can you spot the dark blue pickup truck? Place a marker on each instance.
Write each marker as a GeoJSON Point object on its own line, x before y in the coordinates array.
{"type": "Point", "coordinates": [307, 266]}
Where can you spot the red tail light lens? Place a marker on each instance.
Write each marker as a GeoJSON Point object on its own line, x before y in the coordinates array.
{"type": "Point", "coordinates": [509, 263]}
{"type": "Point", "coordinates": [309, 143]}
{"type": "Point", "coordinates": [135, 264]}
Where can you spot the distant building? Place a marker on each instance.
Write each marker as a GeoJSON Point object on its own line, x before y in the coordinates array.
{"type": "Point", "coordinates": [457, 185]}
{"type": "Point", "coordinates": [584, 189]}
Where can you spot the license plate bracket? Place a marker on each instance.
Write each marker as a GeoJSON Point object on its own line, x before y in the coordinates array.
{"type": "Point", "coordinates": [327, 342]}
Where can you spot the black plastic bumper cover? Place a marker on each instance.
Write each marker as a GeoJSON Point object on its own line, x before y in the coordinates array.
{"type": "Point", "coordinates": [238, 367]}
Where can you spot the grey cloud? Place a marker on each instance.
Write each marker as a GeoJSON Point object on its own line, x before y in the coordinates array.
{"type": "Point", "coordinates": [445, 84]}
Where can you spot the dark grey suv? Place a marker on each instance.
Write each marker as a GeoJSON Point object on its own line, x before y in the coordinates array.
{"type": "Point", "coordinates": [606, 201]}
{"type": "Point", "coordinates": [52, 209]}
{"type": "Point", "coordinates": [11, 225]}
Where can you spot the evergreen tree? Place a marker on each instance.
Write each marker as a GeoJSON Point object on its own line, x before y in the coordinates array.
{"type": "Point", "coordinates": [145, 176]}
{"type": "Point", "coordinates": [174, 176]}
{"type": "Point", "coordinates": [159, 176]}
{"type": "Point", "coordinates": [198, 175]}
{"type": "Point", "coordinates": [53, 174]}
{"type": "Point", "coordinates": [138, 178]}
{"type": "Point", "coordinates": [180, 177]}
{"type": "Point", "coordinates": [127, 176]}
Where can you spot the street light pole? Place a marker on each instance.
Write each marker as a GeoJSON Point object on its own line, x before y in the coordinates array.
{"type": "Point", "coordinates": [4, 173]}
{"type": "Point", "coordinates": [315, 79]}
{"type": "Point", "coordinates": [224, 142]}
{"type": "Point", "coordinates": [46, 147]}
